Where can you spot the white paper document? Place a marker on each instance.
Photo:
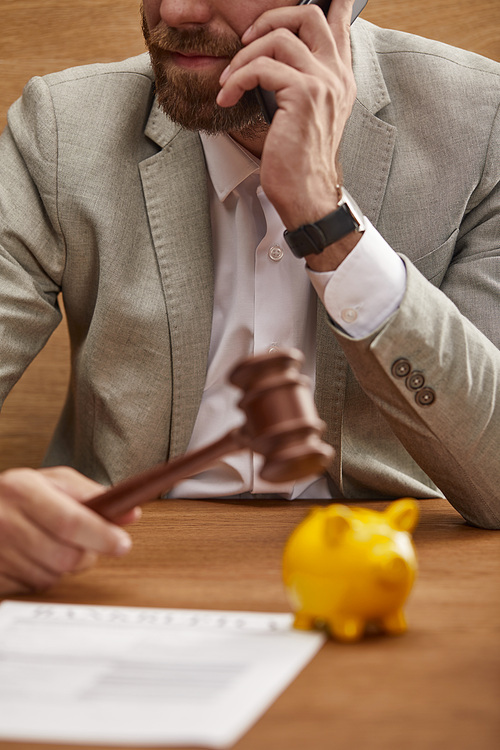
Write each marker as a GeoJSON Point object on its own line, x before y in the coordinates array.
{"type": "Point", "coordinates": [134, 676]}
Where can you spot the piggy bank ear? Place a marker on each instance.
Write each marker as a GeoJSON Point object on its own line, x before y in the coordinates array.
{"type": "Point", "coordinates": [337, 524]}
{"type": "Point", "coordinates": [402, 514]}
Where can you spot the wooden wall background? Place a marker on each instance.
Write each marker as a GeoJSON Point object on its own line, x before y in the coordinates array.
{"type": "Point", "coordinates": [41, 36]}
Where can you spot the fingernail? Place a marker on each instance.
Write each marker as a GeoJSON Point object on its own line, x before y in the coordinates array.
{"type": "Point", "coordinates": [219, 97]}
{"type": "Point", "coordinates": [123, 543]}
{"type": "Point", "coordinates": [247, 34]}
{"type": "Point", "coordinates": [224, 75]}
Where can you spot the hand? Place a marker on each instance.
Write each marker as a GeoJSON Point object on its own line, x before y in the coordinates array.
{"type": "Point", "coordinates": [306, 60]}
{"type": "Point", "coordinates": [46, 531]}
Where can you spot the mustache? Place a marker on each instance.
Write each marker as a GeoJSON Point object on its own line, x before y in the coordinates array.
{"type": "Point", "coordinates": [200, 40]}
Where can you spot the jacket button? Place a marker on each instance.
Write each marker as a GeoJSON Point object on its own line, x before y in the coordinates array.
{"type": "Point", "coordinates": [425, 397]}
{"type": "Point", "coordinates": [415, 380]}
{"type": "Point", "coordinates": [401, 368]}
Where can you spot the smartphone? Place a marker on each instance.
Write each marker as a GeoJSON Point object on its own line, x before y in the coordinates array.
{"type": "Point", "coordinates": [267, 99]}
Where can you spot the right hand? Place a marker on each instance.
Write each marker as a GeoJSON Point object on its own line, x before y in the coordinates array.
{"type": "Point", "coordinates": [46, 531]}
{"type": "Point", "coordinates": [306, 60]}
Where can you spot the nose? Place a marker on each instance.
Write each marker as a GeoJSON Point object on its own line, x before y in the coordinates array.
{"type": "Point", "coordinates": [185, 13]}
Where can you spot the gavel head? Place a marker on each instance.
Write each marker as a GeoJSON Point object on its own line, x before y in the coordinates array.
{"type": "Point", "coordinates": [281, 419]}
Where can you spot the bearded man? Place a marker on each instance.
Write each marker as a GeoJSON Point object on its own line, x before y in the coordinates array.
{"type": "Point", "coordinates": [185, 232]}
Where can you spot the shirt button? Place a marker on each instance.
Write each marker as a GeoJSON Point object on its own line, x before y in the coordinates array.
{"type": "Point", "coordinates": [275, 253]}
{"type": "Point", "coordinates": [349, 315]}
{"type": "Point", "coordinates": [273, 349]}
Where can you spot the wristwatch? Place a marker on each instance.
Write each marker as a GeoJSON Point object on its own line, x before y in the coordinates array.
{"type": "Point", "coordinates": [313, 238]}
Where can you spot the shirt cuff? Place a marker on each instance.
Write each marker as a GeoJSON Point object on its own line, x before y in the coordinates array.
{"type": "Point", "coordinates": [366, 288]}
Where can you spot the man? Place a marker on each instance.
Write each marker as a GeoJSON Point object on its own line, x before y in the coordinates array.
{"type": "Point", "coordinates": [168, 246]}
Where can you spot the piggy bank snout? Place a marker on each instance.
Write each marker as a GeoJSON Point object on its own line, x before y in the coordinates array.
{"type": "Point", "coordinates": [393, 570]}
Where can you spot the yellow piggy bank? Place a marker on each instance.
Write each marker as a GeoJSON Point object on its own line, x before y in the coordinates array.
{"type": "Point", "coordinates": [345, 568]}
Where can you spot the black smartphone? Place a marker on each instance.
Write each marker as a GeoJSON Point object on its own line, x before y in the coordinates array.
{"type": "Point", "coordinates": [267, 99]}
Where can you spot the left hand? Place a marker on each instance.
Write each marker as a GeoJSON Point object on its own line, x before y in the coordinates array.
{"type": "Point", "coordinates": [306, 60]}
{"type": "Point", "coordinates": [46, 531]}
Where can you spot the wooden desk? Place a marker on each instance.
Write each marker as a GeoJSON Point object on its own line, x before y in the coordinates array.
{"type": "Point", "coordinates": [435, 687]}
{"type": "Point", "coordinates": [69, 32]}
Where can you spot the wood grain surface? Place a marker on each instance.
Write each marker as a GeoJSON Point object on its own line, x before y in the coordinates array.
{"type": "Point", "coordinates": [41, 36]}
{"type": "Point", "coordinates": [436, 687]}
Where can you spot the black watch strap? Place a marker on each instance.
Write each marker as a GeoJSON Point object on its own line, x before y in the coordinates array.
{"type": "Point", "coordinates": [313, 238]}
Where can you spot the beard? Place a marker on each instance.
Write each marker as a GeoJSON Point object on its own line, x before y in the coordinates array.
{"type": "Point", "coordinates": [188, 98]}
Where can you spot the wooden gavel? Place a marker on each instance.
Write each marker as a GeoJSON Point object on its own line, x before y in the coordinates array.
{"type": "Point", "coordinates": [281, 423]}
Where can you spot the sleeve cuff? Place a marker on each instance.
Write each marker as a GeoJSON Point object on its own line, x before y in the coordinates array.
{"type": "Point", "coordinates": [367, 287]}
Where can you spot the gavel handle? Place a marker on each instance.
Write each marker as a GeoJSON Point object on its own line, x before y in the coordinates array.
{"type": "Point", "coordinates": [150, 484]}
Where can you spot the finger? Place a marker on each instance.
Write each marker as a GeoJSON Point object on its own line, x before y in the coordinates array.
{"type": "Point", "coordinates": [280, 45]}
{"type": "Point", "coordinates": [339, 20]}
{"type": "Point", "coordinates": [39, 562]}
{"type": "Point", "coordinates": [10, 585]}
{"type": "Point", "coordinates": [68, 521]}
{"type": "Point", "coordinates": [308, 22]}
{"type": "Point", "coordinates": [87, 560]}
{"type": "Point", "coordinates": [272, 75]}
{"type": "Point", "coordinates": [132, 516]}
{"type": "Point", "coordinates": [30, 553]}
{"type": "Point", "coordinates": [18, 566]}
{"type": "Point", "coordinates": [72, 482]}
{"type": "Point", "coordinates": [83, 489]}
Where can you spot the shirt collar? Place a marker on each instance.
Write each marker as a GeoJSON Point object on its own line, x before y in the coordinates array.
{"type": "Point", "coordinates": [228, 163]}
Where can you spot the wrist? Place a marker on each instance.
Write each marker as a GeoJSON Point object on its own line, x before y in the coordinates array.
{"type": "Point", "coordinates": [308, 207]}
{"type": "Point", "coordinates": [332, 232]}
{"type": "Point", "coordinates": [333, 255]}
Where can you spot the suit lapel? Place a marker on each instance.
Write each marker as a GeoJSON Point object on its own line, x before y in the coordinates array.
{"type": "Point", "coordinates": [368, 142]}
{"type": "Point", "coordinates": [175, 189]}
{"type": "Point", "coordinates": [365, 155]}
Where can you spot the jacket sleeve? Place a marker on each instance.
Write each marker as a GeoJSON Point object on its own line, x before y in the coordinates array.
{"type": "Point", "coordinates": [31, 244]}
{"type": "Point", "coordinates": [433, 369]}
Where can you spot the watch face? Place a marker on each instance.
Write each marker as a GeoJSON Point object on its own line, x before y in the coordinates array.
{"type": "Point", "coordinates": [357, 215]}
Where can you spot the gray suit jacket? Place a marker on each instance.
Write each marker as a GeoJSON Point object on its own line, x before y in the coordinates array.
{"type": "Point", "coordinates": [105, 199]}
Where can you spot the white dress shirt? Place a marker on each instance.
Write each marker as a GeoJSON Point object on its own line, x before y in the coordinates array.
{"type": "Point", "coordinates": [264, 300]}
